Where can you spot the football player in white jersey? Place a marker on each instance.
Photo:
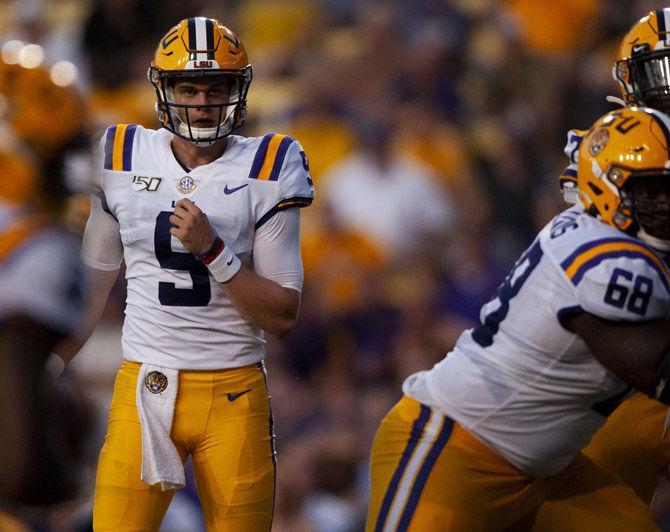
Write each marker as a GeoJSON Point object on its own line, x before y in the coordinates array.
{"type": "Point", "coordinates": [41, 288]}
{"type": "Point", "coordinates": [633, 443]}
{"type": "Point", "coordinates": [207, 223]}
{"type": "Point", "coordinates": [495, 429]}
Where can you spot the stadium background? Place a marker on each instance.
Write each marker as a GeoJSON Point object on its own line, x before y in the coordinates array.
{"type": "Point", "coordinates": [469, 99]}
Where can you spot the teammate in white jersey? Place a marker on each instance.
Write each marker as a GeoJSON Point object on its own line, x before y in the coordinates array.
{"type": "Point", "coordinates": [207, 223]}
{"type": "Point", "coordinates": [41, 289]}
{"type": "Point", "coordinates": [495, 429]}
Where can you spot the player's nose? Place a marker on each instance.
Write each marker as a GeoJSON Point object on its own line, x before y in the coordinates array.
{"type": "Point", "coordinates": [201, 98]}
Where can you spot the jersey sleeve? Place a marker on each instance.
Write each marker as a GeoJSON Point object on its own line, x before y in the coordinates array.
{"type": "Point", "coordinates": [277, 250]}
{"type": "Point", "coordinates": [102, 247]}
{"type": "Point", "coordinates": [619, 279]}
{"type": "Point", "coordinates": [568, 178]}
{"type": "Point", "coordinates": [117, 151]}
{"type": "Point", "coordinates": [290, 168]}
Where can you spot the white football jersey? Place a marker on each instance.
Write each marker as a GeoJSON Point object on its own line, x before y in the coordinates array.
{"type": "Point", "coordinates": [521, 382]}
{"type": "Point", "coordinates": [40, 272]}
{"type": "Point", "coordinates": [568, 179]}
{"type": "Point", "coordinates": [177, 316]}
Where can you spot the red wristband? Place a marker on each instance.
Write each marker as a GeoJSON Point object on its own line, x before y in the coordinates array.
{"type": "Point", "coordinates": [212, 253]}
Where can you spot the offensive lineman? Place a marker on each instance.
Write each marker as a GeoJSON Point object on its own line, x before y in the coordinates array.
{"type": "Point", "coordinates": [206, 224]}
{"type": "Point", "coordinates": [633, 442]}
{"type": "Point", "coordinates": [495, 429]}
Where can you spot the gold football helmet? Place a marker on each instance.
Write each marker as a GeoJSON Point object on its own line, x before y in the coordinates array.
{"type": "Point", "coordinates": [642, 69]}
{"type": "Point", "coordinates": [44, 115]}
{"type": "Point", "coordinates": [19, 178]}
{"type": "Point", "coordinates": [624, 173]}
{"type": "Point", "coordinates": [198, 49]}
{"type": "Point", "coordinates": [44, 141]}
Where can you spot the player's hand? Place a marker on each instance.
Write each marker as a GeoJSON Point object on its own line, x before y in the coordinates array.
{"type": "Point", "coordinates": [191, 226]}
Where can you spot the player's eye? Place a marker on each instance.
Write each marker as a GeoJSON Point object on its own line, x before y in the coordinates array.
{"type": "Point", "coordinates": [185, 90]}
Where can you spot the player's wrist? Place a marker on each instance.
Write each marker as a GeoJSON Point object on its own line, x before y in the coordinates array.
{"type": "Point", "coordinates": [223, 264]}
{"type": "Point", "coordinates": [212, 252]}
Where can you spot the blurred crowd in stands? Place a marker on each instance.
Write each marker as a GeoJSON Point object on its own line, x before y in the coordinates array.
{"type": "Point", "coordinates": [435, 133]}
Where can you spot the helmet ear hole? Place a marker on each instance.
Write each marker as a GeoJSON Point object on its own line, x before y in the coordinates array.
{"type": "Point", "coordinates": [596, 190]}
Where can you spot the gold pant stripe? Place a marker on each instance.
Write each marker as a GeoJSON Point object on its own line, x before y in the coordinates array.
{"type": "Point", "coordinates": [431, 442]}
{"type": "Point", "coordinates": [430, 433]}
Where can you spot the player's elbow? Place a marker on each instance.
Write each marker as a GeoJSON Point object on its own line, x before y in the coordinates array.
{"type": "Point", "coordinates": [282, 326]}
{"type": "Point", "coordinates": [285, 320]}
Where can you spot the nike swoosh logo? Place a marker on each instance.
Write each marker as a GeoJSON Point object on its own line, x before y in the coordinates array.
{"type": "Point", "coordinates": [233, 396]}
{"type": "Point", "coordinates": [227, 190]}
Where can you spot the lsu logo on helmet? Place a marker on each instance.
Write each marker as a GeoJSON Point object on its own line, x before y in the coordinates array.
{"type": "Point", "coordinates": [598, 141]}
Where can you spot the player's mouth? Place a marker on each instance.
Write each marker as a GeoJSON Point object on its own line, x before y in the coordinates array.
{"type": "Point", "coordinates": [203, 122]}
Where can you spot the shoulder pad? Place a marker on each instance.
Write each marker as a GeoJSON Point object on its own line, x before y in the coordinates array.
{"type": "Point", "coordinates": [591, 254]}
{"type": "Point", "coordinates": [270, 156]}
{"type": "Point", "coordinates": [291, 171]}
{"type": "Point", "coordinates": [119, 147]}
{"type": "Point", "coordinates": [619, 279]}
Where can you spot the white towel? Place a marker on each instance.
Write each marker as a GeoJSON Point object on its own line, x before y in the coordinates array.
{"type": "Point", "coordinates": [155, 397]}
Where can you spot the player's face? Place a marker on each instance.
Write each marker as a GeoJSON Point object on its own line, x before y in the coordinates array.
{"type": "Point", "coordinates": [651, 196]}
{"type": "Point", "coordinates": [206, 95]}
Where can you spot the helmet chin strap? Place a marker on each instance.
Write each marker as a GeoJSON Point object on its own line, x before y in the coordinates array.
{"type": "Point", "coordinates": [616, 100]}
{"type": "Point", "coordinates": [199, 134]}
{"type": "Point", "coordinates": [656, 243]}
{"type": "Point", "coordinates": [203, 136]}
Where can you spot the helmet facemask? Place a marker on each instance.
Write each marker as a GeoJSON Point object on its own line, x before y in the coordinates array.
{"type": "Point", "coordinates": [226, 115]}
{"type": "Point", "coordinates": [645, 78]}
{"type": "Point", "coordinates": [649, 196]}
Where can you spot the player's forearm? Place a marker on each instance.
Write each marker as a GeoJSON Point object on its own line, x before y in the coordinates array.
{"type": "Point", "coordinates": [265, 303]}
{"type": "Point", "coordinates": [634, 352]}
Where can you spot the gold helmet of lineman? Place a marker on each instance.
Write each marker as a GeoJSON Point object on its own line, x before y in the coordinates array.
{"type": "Point", "coordinates": [642, 69]}
{"type": "Point", "coordinates": [200, 47]}
{"type": "Point", "coordinates": [42, 113]}
{"type": "Point", "coordinates": [623, 173]}
{"type": "Point", "coordinates": [19, 178]}
{"type": "Point", "coordinates": [44, 144]}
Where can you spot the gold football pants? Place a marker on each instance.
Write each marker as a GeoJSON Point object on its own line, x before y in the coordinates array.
{"type": "Point", "coordinates": [633, 445]}
{"type": "Point", "coordinates": [428, 473]}
{"type": "Point", "coordinates": [228, 435]}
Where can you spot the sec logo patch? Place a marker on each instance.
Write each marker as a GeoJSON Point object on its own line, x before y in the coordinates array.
{"type": "Point", "coordinates": [186, 185]}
